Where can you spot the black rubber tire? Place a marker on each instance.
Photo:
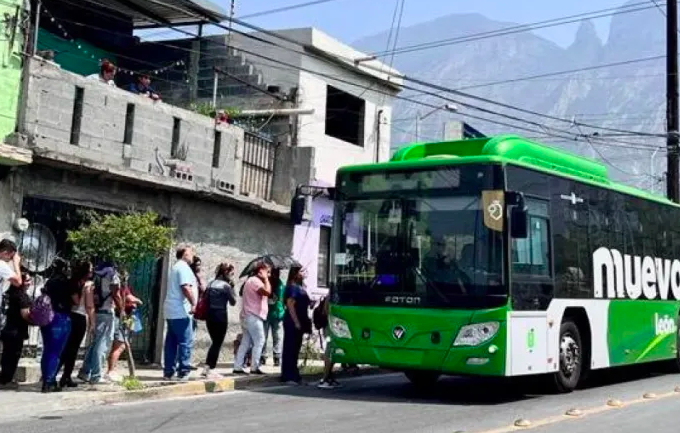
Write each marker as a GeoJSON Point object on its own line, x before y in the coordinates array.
{"type": "Point", "coordinates": [422, 378]}
{"type": "Point", "coordinates": [567, 382]}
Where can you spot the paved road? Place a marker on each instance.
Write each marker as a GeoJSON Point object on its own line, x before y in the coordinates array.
{"type": "Point", "coordinates": [380, 404]}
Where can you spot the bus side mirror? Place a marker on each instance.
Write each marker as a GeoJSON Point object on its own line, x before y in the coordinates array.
{"type": "Point", "coordinates": [519, 222]}
{"type": "Point", "coordinates": [519, 215]}
{"type": "Point", "coordinates": [297, 209]}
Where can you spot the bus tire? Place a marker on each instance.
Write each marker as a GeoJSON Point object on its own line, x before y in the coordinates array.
{"type": "Point", "coordinates": [422, 378]}
{"type": "Point", "coordinates": [570, 368]}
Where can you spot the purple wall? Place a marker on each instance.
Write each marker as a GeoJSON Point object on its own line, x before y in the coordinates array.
{"type": "Point", "coordinates": [306, 243]}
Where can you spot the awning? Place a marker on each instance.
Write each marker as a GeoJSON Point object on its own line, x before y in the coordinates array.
{"type": "Point", "coordinates": [161, 13]}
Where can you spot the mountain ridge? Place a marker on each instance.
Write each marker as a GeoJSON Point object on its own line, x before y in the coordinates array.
{"type": "Point", "coordinates": [628, 96]}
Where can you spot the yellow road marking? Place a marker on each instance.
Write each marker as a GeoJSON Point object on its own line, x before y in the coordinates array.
{"type": "Point", "coordinates": [526, 424]}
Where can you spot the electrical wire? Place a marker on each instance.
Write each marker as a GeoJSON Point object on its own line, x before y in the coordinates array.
{"type": "Point", "coordinates": [286, 8]}
{"type": "Point", "coordinates": [418, 82]}
{"type": "Point", "coordinates": [414, 80]}
{"type": "Point", "coordinates": [522, 28]}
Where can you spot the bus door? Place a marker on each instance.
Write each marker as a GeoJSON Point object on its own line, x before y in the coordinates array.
{"type": "Point", "coordinates": [531, 290]}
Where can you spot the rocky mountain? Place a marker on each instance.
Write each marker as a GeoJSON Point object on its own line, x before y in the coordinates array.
{"type": "Point", "coordinates": [620, 84]}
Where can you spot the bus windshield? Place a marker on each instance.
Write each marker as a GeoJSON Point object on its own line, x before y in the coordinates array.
{"type": "Point", "coordinates": [436, 248]}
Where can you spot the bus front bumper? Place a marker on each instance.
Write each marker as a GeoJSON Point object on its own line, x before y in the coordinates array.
{"type": "Point", "coordinates": [485, 360]}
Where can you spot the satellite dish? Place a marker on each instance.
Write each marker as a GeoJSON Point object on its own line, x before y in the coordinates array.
{"type": "Point", "coordinates": [38, 248]}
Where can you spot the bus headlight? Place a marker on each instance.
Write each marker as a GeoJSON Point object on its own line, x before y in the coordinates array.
{"type": "Point", "coordinates": [340, 328]}
{"type": "Point", "coordinates": [476, 334]}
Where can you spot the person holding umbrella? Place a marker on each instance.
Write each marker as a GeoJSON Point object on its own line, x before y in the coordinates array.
{"type": "Point", "coordinates": [256, 291]}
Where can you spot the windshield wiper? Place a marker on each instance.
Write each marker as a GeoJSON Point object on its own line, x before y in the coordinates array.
{"type": "Point", "coordinates": [425, 279]}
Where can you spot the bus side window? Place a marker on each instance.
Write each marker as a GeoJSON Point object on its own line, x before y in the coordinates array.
{"type": "Point", "coordinates": [531, 256]}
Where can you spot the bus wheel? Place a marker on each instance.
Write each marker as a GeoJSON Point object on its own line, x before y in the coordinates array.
{"type": "Point", "coordinates": [422, 378]}
{"type": "Point", "coordinates": [571, 358]}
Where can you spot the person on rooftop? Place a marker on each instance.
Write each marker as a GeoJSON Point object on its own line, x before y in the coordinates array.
{"type": "Point", "coordinates": [143, 87]}
{"type": "Point", "coordinates": [107, 72]}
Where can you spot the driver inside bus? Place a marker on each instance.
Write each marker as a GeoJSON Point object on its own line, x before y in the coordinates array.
{"type": "Point", "coordinates": [442, 269]}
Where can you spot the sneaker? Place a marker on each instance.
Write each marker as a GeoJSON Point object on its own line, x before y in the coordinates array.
{"type": "Point", "coordinates": [68, 383]}
{"type": "Point", "coordinates": [328, 384]}
{"type": "Point", "coordinates": [213, 375]}
{"type": "Point", "coordinates": [167, 379]}
{"type": "Point", "coordinates": [258, 372]}
{"type": "Point", "coordinates": [240, 372]}
{"type": "Point", "coordinates": [206, 371]}
{"type": "Point", "coordinates": [104, 380]}
{"type": "Point", "coordinates": [324, 385]}
{"type": "Point", "coordinates": [83, 377]}
{"type": "Point", "coordinates": [113, 377]}
{"type": "Point", "coordinates": [184, 378]}
{"type": "Point", "coordinates": [49, 388]}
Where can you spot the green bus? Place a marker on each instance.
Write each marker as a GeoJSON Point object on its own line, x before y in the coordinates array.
{"type": "Point", "coordinates": [500, 256]}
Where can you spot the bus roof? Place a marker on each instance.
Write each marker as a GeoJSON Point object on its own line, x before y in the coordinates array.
{"type": "Point", "coordinates": [507, 149]}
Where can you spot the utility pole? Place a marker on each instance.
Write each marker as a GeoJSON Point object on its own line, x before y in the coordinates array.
{"type": "Point", "coordinates": [673, 177]}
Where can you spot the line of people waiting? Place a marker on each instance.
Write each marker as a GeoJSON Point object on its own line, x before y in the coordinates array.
{"type": "Point", "coordinates": [269, 307]}
{"type": "Point", "coordinates": [75, 303]}
{"type": "Point", "coordinates": [85, 301]}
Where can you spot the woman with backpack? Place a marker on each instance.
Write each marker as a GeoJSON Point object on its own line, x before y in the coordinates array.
{"type": "Point", "coordinates": [63, 297]}
{"type": "Point", "coordinates": [296, 324]}
{"type": "Point", "coordinates": [218, 295]}
{"type": "Point", "coordinates": [80, 282]}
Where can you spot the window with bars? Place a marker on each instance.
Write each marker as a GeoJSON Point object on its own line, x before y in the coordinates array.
{"type": "Point", "coordinates": [258, 166]}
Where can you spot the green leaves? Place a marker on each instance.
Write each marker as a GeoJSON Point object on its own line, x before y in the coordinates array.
{"type": "Point", "coordinates": [123, 239]}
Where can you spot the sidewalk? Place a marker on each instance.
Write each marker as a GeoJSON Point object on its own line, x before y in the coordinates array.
{"type": "Point", "coordinates": [151, 376]}
{"type": "Point", "coordinates": [27, 400]}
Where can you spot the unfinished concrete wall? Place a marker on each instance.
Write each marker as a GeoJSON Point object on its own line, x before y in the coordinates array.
{"type": "Point", "coordinates": [120, 129]}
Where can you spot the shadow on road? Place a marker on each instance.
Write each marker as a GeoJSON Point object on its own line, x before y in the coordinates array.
{"type": "Point", "coordinates": [395, 388]}
{"type": "Point", "coordinates": [465, 391]}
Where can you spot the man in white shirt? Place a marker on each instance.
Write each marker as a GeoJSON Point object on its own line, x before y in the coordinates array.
{"type": "Point", "coordinates": [10, 265]}
{"type": "Point", "coordinates": [107, 73]}
{"type": "Point", "coordinates": [180, 305]}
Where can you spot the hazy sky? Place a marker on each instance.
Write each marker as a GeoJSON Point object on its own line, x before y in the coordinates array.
{"type": "Point", "coordinates": [349, 20]}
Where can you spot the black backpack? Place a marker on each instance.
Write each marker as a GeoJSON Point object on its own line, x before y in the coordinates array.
{"type": "Point", "coordinates": [99, 297]}
{"type": "Point", "coordinates": [319, 316]}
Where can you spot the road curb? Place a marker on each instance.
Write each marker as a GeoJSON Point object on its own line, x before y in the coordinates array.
{"type": "Point", "coordinates": [197, 388]}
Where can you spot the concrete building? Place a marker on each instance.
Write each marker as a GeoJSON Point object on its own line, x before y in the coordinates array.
{"type": "Point", "coordinates": [346, 99]}
{"type": "Point", "coordinates": [352, 98]}
{"type": "Point", "coordinates": [80, 144]}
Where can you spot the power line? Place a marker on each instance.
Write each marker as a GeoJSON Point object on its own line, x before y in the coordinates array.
{"type": "Point", "coordinates": [602, 13]}
{"type": "Point", "coordinates": [658, 6]}
{"type": "Point", "coordinates": [565, 72]}
{"type": "Point", "coordinates": [444, 89]}
{"type": "Point", "coordinates": [396, 96]}
{"type": "Point", "coordinates": [285, 8]}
